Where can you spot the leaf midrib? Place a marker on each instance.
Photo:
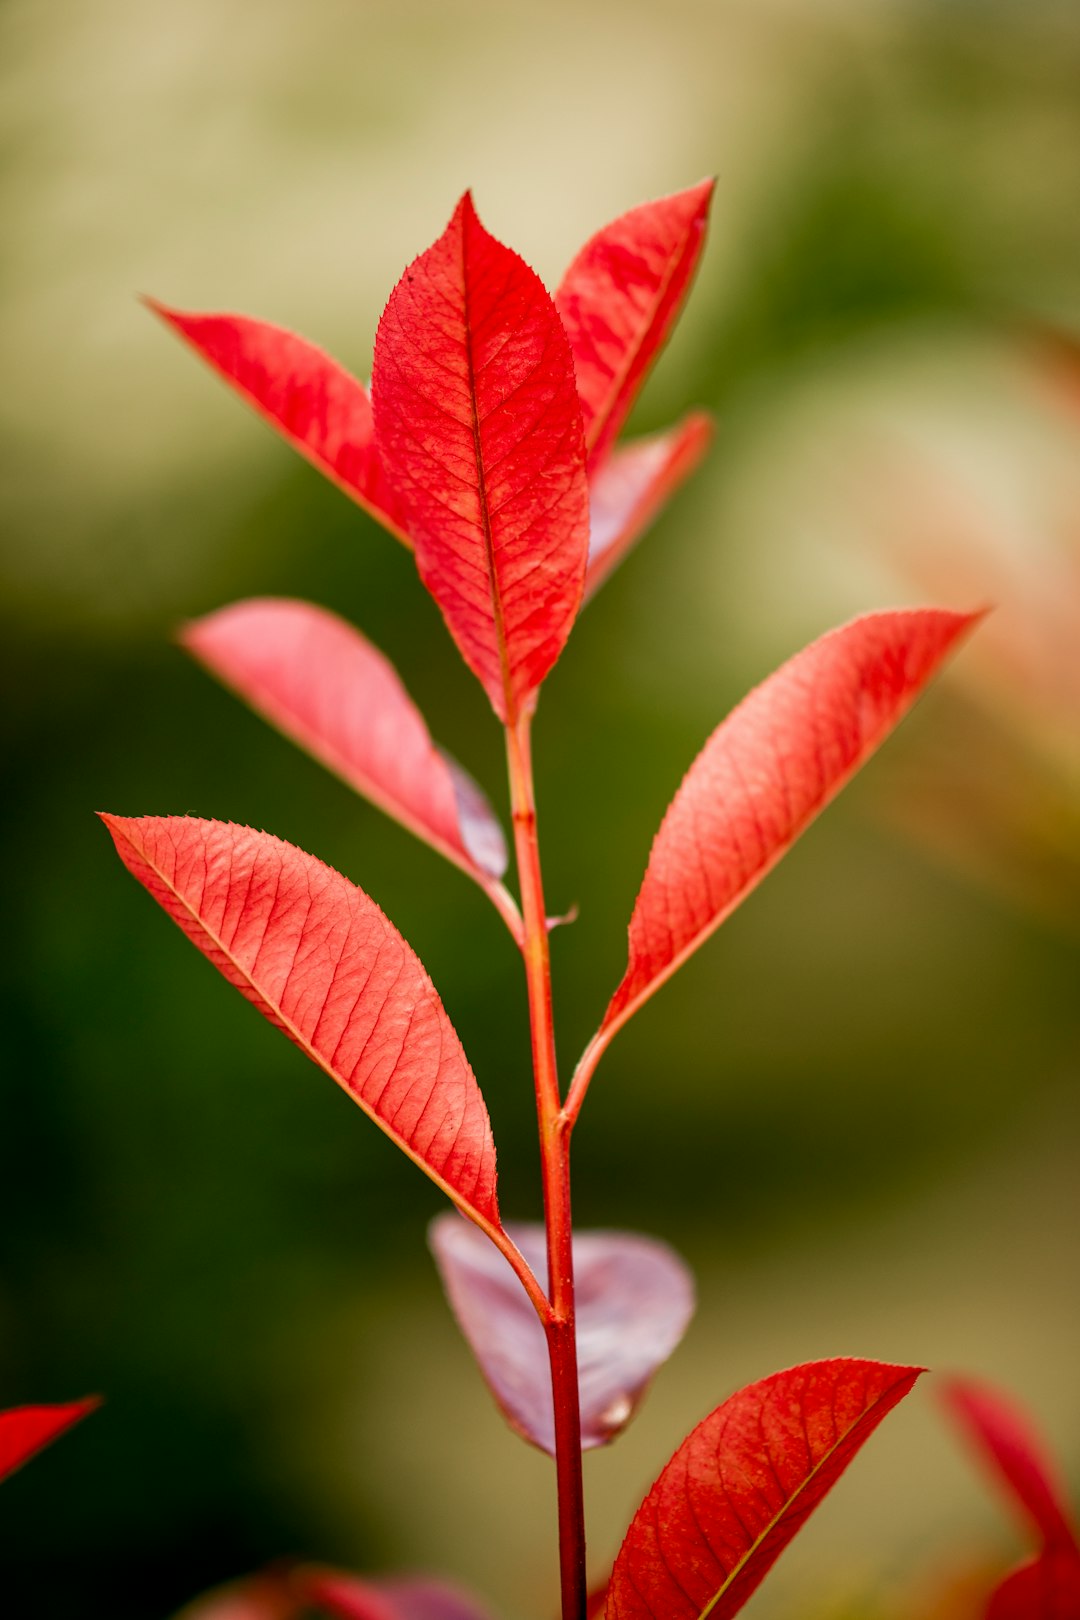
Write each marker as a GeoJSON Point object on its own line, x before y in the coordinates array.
{"type": "Point", "coordinates": [481, 482]}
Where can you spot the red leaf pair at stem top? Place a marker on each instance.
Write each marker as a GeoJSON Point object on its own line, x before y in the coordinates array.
{"type": "Point", "coordinates": [488, 444]}
{"type": "Point", "coordinates": [490, 401]}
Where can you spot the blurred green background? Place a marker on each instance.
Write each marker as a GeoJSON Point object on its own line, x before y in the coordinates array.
{"type": "Point", "coordinates": [856, 1111]}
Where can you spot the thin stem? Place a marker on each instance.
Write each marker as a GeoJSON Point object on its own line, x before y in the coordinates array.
{"type": "Point", "coordinates": [514, 1257]}
{"type": "Point", "coordinates": [506, 906]}
{"type": "Point", "coordinates": [555, 1171]}
{"type": "Point", "coordinates": [584, 1072]}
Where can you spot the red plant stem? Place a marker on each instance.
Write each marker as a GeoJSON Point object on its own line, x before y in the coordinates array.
{"type": "Point", "coordinates": [555, 1170]}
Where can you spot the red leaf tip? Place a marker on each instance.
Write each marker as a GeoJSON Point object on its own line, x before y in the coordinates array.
{"type": "Point", "coordinates": [26, 1430]}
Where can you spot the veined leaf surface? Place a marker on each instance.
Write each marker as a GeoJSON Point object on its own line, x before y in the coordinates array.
{"type": "Point", "coordinates": [634, 1300]}
{"type": "Point", "coordinates": [742, 1484]}
{"type": "Point", "coordinates": [319, 959]}
{"type": "Point", "coordinates": [628, 488]}
{"type": "Point", "coordinates": [311, 400]}
{"type": "Point", "coordinates": [325, 686]}
{"type": "Point", "coordinates": [763, 776]}
{"type": "Point", "coordinates": [26, 1430]}
{"type": "Point", "coordinates": [478, 425]}
{"type": "Point", "coordinates": [619, 299]}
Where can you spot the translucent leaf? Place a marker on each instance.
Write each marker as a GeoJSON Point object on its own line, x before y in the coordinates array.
{"type": "Point", "coordinates": [634, 1300]}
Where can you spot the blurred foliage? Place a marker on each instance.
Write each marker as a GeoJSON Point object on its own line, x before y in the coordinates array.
{"type": "Point", "coordinates": [867, 1123]}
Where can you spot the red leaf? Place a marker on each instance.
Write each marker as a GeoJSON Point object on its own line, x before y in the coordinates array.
{"type": "Point", "coordinates": [619, 299]}
{"type": "Point", "coordinates": [260, 1597]}
{"type": "Point", "coordinates": [396, 1598]}
{"type": "Point", "coordinates": [26, 1430]}
{"type": "Point", "coordinates": [312, 401]}
{"type": "Point", "coordinates": [343, 1596]}
{"type": "Point", "coordinates": [478, 424]}
{"type": "Point", "coordinates": [741, 1485]}
{"type": "Point", "coordinates": [629, 487]}
{"type": "Point", "coordinates": [1047, 1588]}
{"type": "Point", "coordinates": [1005, 1438]}
{"type": "Point", "coordinates": [319, 959]}
{"type": "Point", "coordinates": [763, 776]}
{"type": "Point", "coordinates": [321, 683]}
{"type": "Point", "coordinates": [634, 1300]}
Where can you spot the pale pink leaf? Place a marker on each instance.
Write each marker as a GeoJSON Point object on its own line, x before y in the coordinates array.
{"type": "Point", "coordinates": [619, 300]}
{"type": "Point", "coordinates": [478, 424]}
{"type": "Point", "coordinates": [325, 686]}
{"type": "Point", "coordinates": [763, 776]}
{"type": "Point", "coordinates": [311, 400]}
{"type": "Point", "coordinates": [628, 488]}
{"type": "Point", "coordinates": [742, 1484]}
{"type": "Point", "coordinates": [634, 1299]}
{"type": "Point", "coordinates": [319, 959]}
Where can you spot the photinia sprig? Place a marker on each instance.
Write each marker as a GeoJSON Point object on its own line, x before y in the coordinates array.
{"type": "Point", "coordinates": [488, 443]}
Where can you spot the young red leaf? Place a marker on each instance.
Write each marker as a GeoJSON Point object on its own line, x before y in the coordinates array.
{"type": "Point", "coordinates": [312, 401]}
{"type": "Point", "coordinates": [1006, 1439]}
{"type": "Point", "coordinates": [478, 424]}
{"type": "Point", "coordinates": [1047, 1588]}
{"type": "Point", "coordinates": [634, 1300]}
{"type": "Point", "coordinates": [319, 959]}
{"type": "Point", "coordinates": [629, 487]}
{"type": "Point", "coordinates": [741, 1485]}
{"type": "Point", "coordinates": [763, 776]}
{"type": "Point", "coordinates": [321, 683]}
{"type": "Point", "coordinates": [398, 1598]}
{"type": "Point", "coordinates": [26, 1430]}
{"type": "Point", "coordinates": [619, 299]}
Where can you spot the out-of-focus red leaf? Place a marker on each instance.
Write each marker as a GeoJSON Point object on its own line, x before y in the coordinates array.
{"type": "Point", "coordinates": [741, 1485]}
{"type": "Point", "coordinates": [629, 487]}
{"type": "Point", "coordinates": [1006, 1439]}
{"type": "Point", "coordinates": [394, 1598]}
{"type": "Point", "coordinates": [1057, 351]}
{"type": "Point", "coordinates": [619, 299]}
{"type": "Point", "coordinates": [596, 1603]}
{"type": "Point", "coordinates": [346, 1597]}
{"type": "Point", "coordinates": [311, 400]}
{"type": "Point", "coordinates": [763, 776]}
{"type": "Point", "coordinates": [325, 686]}
{"type": "Point", "coordinates": [260, 1597]}
{"type": "Point", "coordinates": [26, 1430]}
{"type": "Point", "coordinates": [478, 425]}
{"type": "Point", "coordinates": [634, 1300]}
{"type": "Point", "coordinates": [319, 959]}
{"type": "Point", "coordinates": [432, 1600]}
{"type": "Point", "coordinates": [1047, 1588]}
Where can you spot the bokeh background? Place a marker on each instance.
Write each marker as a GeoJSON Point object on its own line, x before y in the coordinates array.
{"type": "Point", "coordinates": [856, 1111]}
